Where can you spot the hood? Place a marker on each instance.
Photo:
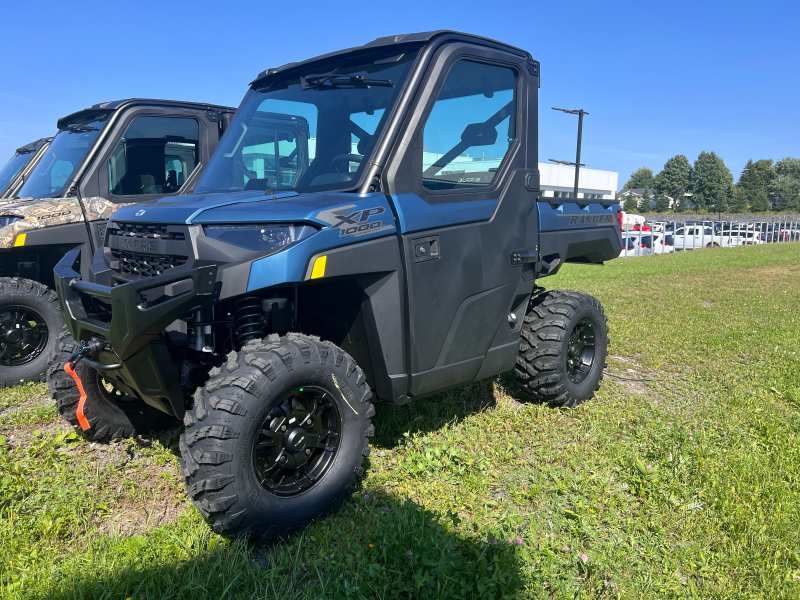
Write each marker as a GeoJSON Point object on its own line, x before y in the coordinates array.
{"type": "Point", "coordinates": [239, 207]}
{"type": "Point", "coordinates": [23, 216]}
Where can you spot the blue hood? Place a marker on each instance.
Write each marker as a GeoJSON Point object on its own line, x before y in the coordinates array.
{"type": "Point", "coordinates": [238, 207]}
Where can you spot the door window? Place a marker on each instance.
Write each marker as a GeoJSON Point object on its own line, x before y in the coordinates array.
{"type": "Point", "coordinates": [154, 156]}
{"type": "Point", "coordinates": [470, 127]}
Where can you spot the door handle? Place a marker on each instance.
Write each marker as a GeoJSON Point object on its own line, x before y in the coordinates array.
{"type": "Point", "coordinates": [426, 249]}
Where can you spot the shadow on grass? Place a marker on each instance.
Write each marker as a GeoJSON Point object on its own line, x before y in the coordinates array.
{"type": "Point", "coordinates": [377, 546]}
{"type": "Point", "coordinates": [391, 422]}
{"type": "Point", "coordinates": [431, 413]}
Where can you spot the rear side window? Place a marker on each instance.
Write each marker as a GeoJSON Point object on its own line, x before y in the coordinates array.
{"type": "Point", "coordinates": [154, 156]}
{"type": "Point", "coordinates": [470, 127]}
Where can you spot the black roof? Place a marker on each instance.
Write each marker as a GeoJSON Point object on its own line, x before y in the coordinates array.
{"type": "Point", "coordinates": [398, 40]}
{"type": "Point", "coordinates": [113, 105]}
{"type": "Point", "coordinates": [33, 146]}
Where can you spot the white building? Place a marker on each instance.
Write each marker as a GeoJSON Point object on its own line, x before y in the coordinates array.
{"type": "Point", "coordinates": [557, 181]}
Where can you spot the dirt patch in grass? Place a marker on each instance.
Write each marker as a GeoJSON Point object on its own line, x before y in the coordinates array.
{"type": "Point", "coordinates": [144, 477]}
{"type": "Point", "coordinates": [631, 375]}
{"type": "Point", "coordinates": [22, 435]}
{"type": "Point", "coordinates": [156, 499]}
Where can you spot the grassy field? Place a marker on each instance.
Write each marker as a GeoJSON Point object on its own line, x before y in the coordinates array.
{"type": "Point", "coordinates": [681, 478]}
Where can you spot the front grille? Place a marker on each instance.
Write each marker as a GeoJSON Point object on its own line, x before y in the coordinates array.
{"type": "Point", "coordinates": [140, 250]}
{"type": "Point", "coordinates": [148, 231]}
{"type": "Point", "coordinates": [143, 265]}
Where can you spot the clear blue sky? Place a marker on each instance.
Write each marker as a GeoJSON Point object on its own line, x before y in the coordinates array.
{"type": "Point", "coordinates": [658, 78]}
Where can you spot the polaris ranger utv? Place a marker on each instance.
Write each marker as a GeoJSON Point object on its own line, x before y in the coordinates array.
{"type": "Point", "coordinates": [392, 258]}
{"type": "Point", "coordinates": [19, 165]}
{"type": "Point", "coordinates": [102, 157]}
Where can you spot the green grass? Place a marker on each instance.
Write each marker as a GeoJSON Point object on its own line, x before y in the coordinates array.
{"type": "Point", "coordinates": [681, 478]}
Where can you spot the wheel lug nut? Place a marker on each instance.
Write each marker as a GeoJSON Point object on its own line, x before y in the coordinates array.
{"type": "Point", "coordinates": [308, 451]}
{"type": "Point", "coordinates": [283, 427]}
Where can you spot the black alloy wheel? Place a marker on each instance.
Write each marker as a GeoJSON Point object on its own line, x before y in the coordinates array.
{"type": "Point", "coordinates": [24, 335]}
{"type": "Point", "coordinates": [297, 441]}
{"type": "Point", "coordinates": [581, 351]}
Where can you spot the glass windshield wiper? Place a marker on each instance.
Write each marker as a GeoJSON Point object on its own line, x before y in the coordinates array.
{"type": "Point", "coordinates": [331, 80]}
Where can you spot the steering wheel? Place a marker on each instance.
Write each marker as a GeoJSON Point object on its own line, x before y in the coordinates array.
{"type": "Point", "coordinates": [356, 158]}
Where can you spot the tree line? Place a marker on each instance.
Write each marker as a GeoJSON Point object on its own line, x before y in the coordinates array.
{"type": "Point", "coordinates": [708, 186]}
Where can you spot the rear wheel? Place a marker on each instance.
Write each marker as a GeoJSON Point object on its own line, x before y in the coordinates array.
{"type": "Point", "coordinates": [30, 320]}
{"type": "Point", "coordinates": [110, 413]}
{"type": "Point", "coordinates": [563, 348]}
{"type": "Point", "coordinates": [277, 436]}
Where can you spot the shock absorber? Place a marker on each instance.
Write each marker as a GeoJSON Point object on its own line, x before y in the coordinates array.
{"type": "Point", "coordinates": [249, 320]}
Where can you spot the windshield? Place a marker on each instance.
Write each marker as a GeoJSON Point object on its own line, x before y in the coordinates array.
{"type": "Point", "coordinates": [311, 130]}
{"type": "Point", "coordinates": [54, 171]}
{"type": "Point", "coordinates": [13, 168]}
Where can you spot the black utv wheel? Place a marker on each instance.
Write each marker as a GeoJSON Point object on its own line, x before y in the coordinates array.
{"type": "Point", "coordinates": [277, 436]}
{"type": "Point", "coordinates": [563, 347]}
{"type": "Point", "coordinates": [110, 413]}
{"type": "Point", "coordinates": [30, 319]}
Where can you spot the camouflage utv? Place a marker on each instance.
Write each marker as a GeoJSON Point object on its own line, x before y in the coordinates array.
{"type": "Point", "coordinates": [103, 157]}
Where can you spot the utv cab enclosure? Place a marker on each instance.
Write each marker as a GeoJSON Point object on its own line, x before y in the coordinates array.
{"type": "Point", "coordinates": [103, 157]}
{"type": "Point", "coordinates": [389, 253]}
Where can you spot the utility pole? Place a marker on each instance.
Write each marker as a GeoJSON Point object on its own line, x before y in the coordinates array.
{"type": "Point", "coordinates": [581, 113]}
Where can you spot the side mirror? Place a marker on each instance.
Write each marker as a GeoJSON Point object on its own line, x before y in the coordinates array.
{"type": "Point", "coordinates": [479, 134]}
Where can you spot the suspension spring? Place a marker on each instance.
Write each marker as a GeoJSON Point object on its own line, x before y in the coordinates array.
{"type": "Point", "coordinates": [250, 323]}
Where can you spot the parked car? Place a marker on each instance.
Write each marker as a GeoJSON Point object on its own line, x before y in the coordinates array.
{"type": "Point", "coordinates": [691, 236]}
{"type": "Point", "coordinates": [645, 243]}
{"type": "Point", "coordinates": [663, 243]}
{"type": "Point", "coordinates": [742, 237]}
{"type": "Point", "coordinates": [633, 245]}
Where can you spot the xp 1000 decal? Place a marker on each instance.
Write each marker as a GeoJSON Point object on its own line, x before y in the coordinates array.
{"type": "Point", "coordinates": [352, 222]}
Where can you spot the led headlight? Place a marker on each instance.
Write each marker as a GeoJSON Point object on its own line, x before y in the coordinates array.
{"type": "Point", "coordinates": [265, 238]}
{"type": "Point", "coordinates": [8, 219]}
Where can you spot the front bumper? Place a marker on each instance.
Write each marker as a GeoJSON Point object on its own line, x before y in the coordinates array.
{"type": "Point", "coordinates": [131, 319]}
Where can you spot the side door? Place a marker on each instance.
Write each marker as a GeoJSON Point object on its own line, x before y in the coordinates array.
{"type": "Point", "coordinates": [463, 181]}
{"type": "Point", "coordinates": [151, 152]}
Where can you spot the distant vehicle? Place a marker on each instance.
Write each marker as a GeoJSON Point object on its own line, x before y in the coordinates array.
{"type": "Point", "coordinates": [644, 243]}
{"type": "Point", "coordinates": [692, 236]}
{"type": "Point", "coordinates": [790, 234]}
{"type": "Point", "coordinates": [630, 219]}
{"type": "Point", "coordinates": [770, 232]}
{"type": "Point", "coordinates": [663, 243]}
{"type": "Point", "coordinates": [633, 245]}
{"type": "Point", "coordinates": [742, 237]}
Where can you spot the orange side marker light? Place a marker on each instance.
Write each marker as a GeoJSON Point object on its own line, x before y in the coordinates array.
{"type": "Point", "coordinates": [82, 420]}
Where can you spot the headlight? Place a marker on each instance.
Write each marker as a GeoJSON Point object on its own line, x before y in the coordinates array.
{"type": "Point", "coordinates": [8, 219]}
{"type": "Point", "coordinates": [266, 238]}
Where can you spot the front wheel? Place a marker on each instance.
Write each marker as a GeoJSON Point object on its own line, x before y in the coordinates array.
{"type": "Point", "coordinates": [30, 320]}
{"type": "Point", "coordinates": [277, 436]}
{"type": "Point", "coordinates": [563, 349]}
